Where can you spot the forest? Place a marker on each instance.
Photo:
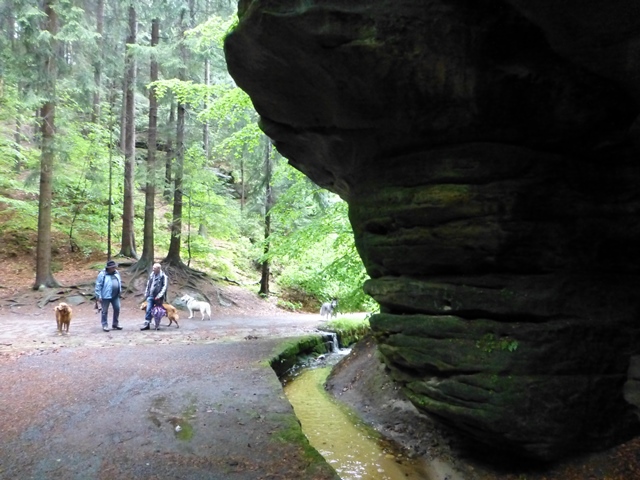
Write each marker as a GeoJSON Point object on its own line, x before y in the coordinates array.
{"type": "Point", "coordinates": [123, 136]}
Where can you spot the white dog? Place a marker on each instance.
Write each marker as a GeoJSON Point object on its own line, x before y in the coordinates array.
{"type": "Point", "coordinates": [329, 309]}
{"type": "Point", "coordinates": [195, 305]}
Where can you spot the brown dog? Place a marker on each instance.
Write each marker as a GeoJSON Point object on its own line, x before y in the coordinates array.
{"type": "Point", "coordinates": [172, 312]}
{"type": "Point", "coordinates": [63, 317]}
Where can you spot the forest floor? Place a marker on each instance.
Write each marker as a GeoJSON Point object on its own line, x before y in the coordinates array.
{"type": "Point", "coordinates": [197, 401]}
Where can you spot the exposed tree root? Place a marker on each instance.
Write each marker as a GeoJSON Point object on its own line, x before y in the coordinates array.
{"type": "Point", "coordinates": [139, 267]}
{"type": "Point", "coordinates": [180, 276]}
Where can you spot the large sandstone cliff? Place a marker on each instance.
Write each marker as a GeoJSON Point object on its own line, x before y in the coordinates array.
{"type": "Point", "coordinates": [488, 151]}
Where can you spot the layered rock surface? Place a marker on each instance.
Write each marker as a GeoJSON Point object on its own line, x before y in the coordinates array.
{"type": "Point", "coordinates": [489, 157]}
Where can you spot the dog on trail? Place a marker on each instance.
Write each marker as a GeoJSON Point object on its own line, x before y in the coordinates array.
{"type": "Point", "coordinates": [63, 317]}
{"type": "Point", "coordinates": [196, 306]}
{"type": "Point", "coordinates": [172, 313]}
{"type": "Point", "coordinates": [329, 309]}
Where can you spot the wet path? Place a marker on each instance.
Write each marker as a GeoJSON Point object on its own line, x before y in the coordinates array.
{"type": "Point", "coordinates": [29, 331]}
{"type": "Point", "coordinates": [198, 402]}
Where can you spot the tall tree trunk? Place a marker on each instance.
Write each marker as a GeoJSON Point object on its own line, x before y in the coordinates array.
{"type": "Point", "coordinates": [112, 103]}
{"type": "Point", "coordinates": [10, 20]}
{"type": "Point", "coordinates": [17, 138]}
{"type": "Point", "coordinates": [243, 188]}
{"type": "Point", "coordinates": [97, 67]}
{"type": "Point", "coordinates": [205, 126]}
{"type": "Point", "coordinates": [128, 245]}
{"type": "Point", "coordinates": [169, 154]}
{"type": "Point", "coordinates": [266, 266]}
{"type": "Point", "coordinates": [123, 110]}
{"type": "Point", "coordinates": [173, 256]}
{"type": "Point", "coordinates": [150, 192]}
{"type": "Point", "coordinates": [207, 81]}
{"type": "Point", "coordinates": [49, 73]}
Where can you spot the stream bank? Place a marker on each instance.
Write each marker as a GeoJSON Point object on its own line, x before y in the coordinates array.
{"type": "Point", "coordinates": [355, 450]}
{"type": "Point", "coordinates": [361, 382]}
{"type": "Point", "coordinates": [408, 436]}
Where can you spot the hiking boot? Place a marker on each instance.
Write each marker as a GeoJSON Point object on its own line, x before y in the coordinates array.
{"type": "Point", "coordinates": [105, 329]}
{"type": "Point", "coordinates": [116, 328]}
{"type": "Point", "coordinates": [146, 327]}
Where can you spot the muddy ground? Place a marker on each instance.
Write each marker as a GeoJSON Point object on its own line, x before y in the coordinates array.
{"type": "Point", "coordinates": [195, 402]}
{"type": "Point", "coordinates": [200, 401]}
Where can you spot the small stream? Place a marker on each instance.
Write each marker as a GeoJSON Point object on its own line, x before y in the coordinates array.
{"type": "Point", "coordinates": [355, 451]}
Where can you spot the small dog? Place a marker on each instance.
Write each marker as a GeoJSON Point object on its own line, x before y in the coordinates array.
{"type": "Point", "coordinates": [197, 306]}
{"type": "Point", "coordinates": [329, 309]}
{"type": "Point", "coordinates": [172, 313]}
{"type": "Point", "coordinates": [63, 317]}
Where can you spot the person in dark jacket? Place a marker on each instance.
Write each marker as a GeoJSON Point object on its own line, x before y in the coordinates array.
{"type": "Point", "coordinates": [107, 291]}
{"type": "Point", "coordinates": [155, 292]}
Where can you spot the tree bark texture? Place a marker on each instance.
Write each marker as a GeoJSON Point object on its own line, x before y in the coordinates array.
{"type": "Point", "coordinates": [97, 67]}
{"type": "Point", "coordinates": [168, 174]}
{"type": "Point", "coordinates": [173, 256]}
{"type": "Point", "coordinates": [150, 191]}
{"type": "Point", "coordinates": [205, 127]}
{"type": "Point", "coordinates": [266, 267]}
{"type": "Point", "coordinates": [43, 249]}
{"type": "Point", "coordinates": [128, 246]}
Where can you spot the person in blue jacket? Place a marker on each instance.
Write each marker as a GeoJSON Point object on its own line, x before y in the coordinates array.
{"type": "Point", "coordinates": [108, 289]}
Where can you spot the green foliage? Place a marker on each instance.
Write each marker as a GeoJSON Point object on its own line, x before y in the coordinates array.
{"type": "Point", "coordinates": [490, 343]}
{"type": "Point", "coordinates": [290, 432]}
{"type": "Point", "coordinates": [344, 323]}
{"type": "Point", "coordinates": [287, 354]}
{"type": "Point", "coordinates": [312, 245]}
{"type": "Point", "coordinates": [184, 91]}
{"type": "Point", "coordinates": [80, 200]}
{"type": "Point", "coordinates": [18, 215]}
{"type": "Point", "coordinates": [208, 38]}
{"type": "Point", "coordinates": [291, 306]}
{"type": "Point", "coordinates": [349, 330]}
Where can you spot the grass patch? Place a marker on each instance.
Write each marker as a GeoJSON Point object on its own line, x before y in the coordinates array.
{"type": "Point", "coordinates": [349, 330]}
{"type": "Point", "coordinates": [288, 352]}
{"type": "Point", "coordinates": [291, 433]}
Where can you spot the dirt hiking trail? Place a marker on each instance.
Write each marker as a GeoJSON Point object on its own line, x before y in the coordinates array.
{"type": "Point", "coordinates": [195, 402]}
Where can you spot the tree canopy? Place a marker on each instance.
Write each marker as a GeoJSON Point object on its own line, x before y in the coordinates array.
{"type": "Point", "coordinates": [155, 119]}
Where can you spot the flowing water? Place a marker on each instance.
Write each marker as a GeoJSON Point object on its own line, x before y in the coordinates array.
{"type": "Point", "coordinates": [354, 450]}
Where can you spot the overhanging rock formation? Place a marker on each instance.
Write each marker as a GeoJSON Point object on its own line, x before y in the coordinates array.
{"type": "Point", "coordinates": [488, 153]}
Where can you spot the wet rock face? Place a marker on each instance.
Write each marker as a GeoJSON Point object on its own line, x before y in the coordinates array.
{"type": "Point", "coordinates": [492, 176]}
